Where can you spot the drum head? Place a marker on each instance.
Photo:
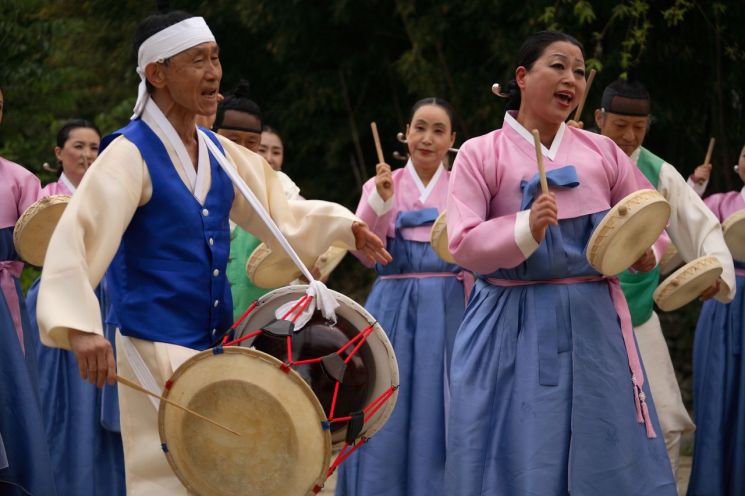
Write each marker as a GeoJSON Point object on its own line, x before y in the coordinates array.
{"type": "Point", "coordinates": [282, 448]}
{"type": "Point", "coordinates": [734, 235]}
{"type": "Point", "coordinates": [35, 227]}
{"type": "Point", "coordinates": [368, 374]}
{"type": "Point", "coordinates": [439, 238]}
{"type": "Point", "coordinates": [687, 283]}
{"type": "Point", "coordinates": [628, 229]}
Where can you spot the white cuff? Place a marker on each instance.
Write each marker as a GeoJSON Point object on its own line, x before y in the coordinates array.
{"type": "Point", "coordinates": [379, 206]}
{"type": "Point", "coordinates": [696, 187]}
{"type": "Point", "coordinates": [523, 237]}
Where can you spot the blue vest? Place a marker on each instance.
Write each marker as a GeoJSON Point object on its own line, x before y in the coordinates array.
{"type": "Point", "coordinates": [167, 279]}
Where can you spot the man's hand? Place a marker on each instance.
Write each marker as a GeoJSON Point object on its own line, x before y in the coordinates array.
{"type": "Point", "coordinates": [369, 245]}
{"type": "Point", "coordinates": [542, 213]}
{"type": "Point", "coordinates": [384, 181]}
{"type": "Point", "coordinates": [95, 357]}
{"type": "Point", "coordinates": [712, 290]}
{"type": "Point", "coordinates": [646, 262]}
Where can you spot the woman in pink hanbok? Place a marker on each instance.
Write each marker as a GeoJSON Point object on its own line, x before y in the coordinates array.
{"type": "Point", "coordinates": [547, 390]}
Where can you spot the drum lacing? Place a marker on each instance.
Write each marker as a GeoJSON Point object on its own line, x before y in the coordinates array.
{"type": "Point", "coordinates": [356, 419]}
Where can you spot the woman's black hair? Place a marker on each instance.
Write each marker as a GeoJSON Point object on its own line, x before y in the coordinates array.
{"type": "Point", "coordinates": [530, 51]}
{"type": "Point", "coordinates": [64, 134]}
{"type": "Point", "coordinates": [156, 23]}
{"type": "Point", "coordinates": [269, 129]}
{"type": "Point", "coordinates": [438, 102]}
{"type": "Point", "coordinates": [239, 101]}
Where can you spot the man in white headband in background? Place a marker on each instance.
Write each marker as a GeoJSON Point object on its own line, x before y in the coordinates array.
{"type": "Point", "coordinates": [154, 206]}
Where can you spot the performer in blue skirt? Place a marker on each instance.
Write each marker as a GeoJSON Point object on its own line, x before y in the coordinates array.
{"type": "Point", "coordinates": [719, 377]}
{"type": "Point", "coordinates": [419, 300]}
{"type": "Point", "coordinates": [80, 420]}
{"type": "Point", "coordinates": [547, 390]}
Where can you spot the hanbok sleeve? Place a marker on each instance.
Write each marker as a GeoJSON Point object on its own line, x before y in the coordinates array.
{"type": "Point", "coordinates": [694, 229]}
{"type": "Point", "coordinates": [477, 242]}
{"type": "Point", "coordinates": [85, 241]}
{"type": "Point", "coordinates": [311, 226]}
{"type": "Point", "coordinates": [697, 188]}
{"type": "Point", "coordinates": [29, 189]}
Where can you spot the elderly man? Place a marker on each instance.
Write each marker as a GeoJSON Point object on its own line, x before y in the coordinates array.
{"type": "Point", "coordinates": [624, 117]}
{"type": "Point", "coordinates": [155, 206]}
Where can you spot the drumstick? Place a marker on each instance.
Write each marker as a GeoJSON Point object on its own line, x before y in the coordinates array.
{"type": "Point", "coordinates": [709, 151]}
{"type": "Point", "coordinates": [581, 105]}
{"type": "Point", "coordinates": [539, 156]}
{"type": "Point", "coordinates": [141, 389]}
{"type": "Point", "coordinates": [379, 149]}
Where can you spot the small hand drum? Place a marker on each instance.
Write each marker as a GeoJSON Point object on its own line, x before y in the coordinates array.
{"type": "Point", "coordinates": [35, 227]}
{"type": "Point", "coordinates": [439, 238]}
{"type": "Point", "coordinates": [734, 235]}
{"type": "Point", "coordinates": [687, 283]}
{"type": "Point", "coordinates": [268, 269]}
{"type": "Point", "coordinates": [627, 231]}
{"type": "Point", "coordinates": [282, 450]}
{"type": "Point", "coordinates": [349, 375]}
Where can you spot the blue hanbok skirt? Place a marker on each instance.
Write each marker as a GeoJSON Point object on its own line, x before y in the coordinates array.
{"type": "Point", "coordinates": [26, 467]}
{"type": "Point", "coordinates": [719, 397]}
{"type": "Point", "coordinates": [81, 421]}
{"type": "Point", "coordinates": [542, 401]}
{"type": "Point", "coordinates": [420, 316]}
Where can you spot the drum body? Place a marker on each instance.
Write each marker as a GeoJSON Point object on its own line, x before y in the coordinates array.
{"type": "Point", "coordinates": [35, 227]}
{"type": "Point", "coordinates": [283, 448]}
{"type": "Point", "coordinates": [369, 372]}
{"type": "Point", "coordinates": [734, 235]}
{"type": "Point", "coordinates": [687, 283]}
{"type": "Point", "coordinates": [268, 269]}
{"type": "Point", "coordinates": [439, 238]}
{"type": "Point", "coordinates": [627, 231]}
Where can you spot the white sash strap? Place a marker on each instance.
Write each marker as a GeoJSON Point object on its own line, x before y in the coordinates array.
{"type": "Point", "coordinates": [142, 372]}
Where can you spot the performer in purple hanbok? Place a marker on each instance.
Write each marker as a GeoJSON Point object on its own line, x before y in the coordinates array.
{"type": "Point", "coordinates": [80, 420]}
{"type": "Point", "coordinates": [547, 389]}
{"type": "Point", "coordinates": [25, 467]}
{"type": "Point", "coordinates": [419, 301]}
{"type": "Point", "coordinates": [719, 378]}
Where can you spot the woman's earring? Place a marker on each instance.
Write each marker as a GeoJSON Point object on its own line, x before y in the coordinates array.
{"type": "Point", "coordinates": [736, 168]}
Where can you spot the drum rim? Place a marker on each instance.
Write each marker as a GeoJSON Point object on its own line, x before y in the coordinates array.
{"type": "Point", "coordinates": [695, 269]}
{"type": "Point", "coordinates": [289, 375]}
{"type": "Point", "coordinates": [30, 251]}
{"type": "Point", "coordinates": [601, 239]}
{"type": "Point", "coordinates": [438, 238]}
{"type": "Point", "coordinates": [265, 270]}
{"type": "Point", "coordinates": [736, 249]}
{"type": "Point", "coordinates": [378, 339]}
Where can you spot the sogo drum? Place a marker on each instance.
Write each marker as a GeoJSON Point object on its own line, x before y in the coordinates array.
{"type": "Point", "coordinates": [35, 227]}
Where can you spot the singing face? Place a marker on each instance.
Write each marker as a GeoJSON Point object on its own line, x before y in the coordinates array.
{"type": "Point", "coordinates": [554, 85]}
{"type": "Point", "coordinates": [627, 131]}
{"type": "Point", "coordinates": [78, 152]}
{"type": "Point", "coordinates": [272, 150]}
{"type": "Point", "coordinates": [236, 126]}
{"type": "Point", "coordinates": [429, 136]}
{"type": "Point", "coordinates": [192, 78]}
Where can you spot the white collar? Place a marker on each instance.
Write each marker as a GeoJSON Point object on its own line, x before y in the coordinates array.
{"type": "Point", "coordinates": [742, 192]}
{"type": "Point", "coordinates": [424, 191]}
{"type": "Point", "coordinates": [635, 154]}
{"type": "Point", "coordinates": [68, 184]}
{"type": "Point", "coordinates": [196, 179]}
{"type": "Point", "coordinates": [547, 152]}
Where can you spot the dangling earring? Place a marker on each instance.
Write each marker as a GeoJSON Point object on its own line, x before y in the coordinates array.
{"type": "Point", "coordinates": [736, 168]}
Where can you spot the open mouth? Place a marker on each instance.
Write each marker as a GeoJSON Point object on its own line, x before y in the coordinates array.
{"type": "Point", "coordinates": [564, 97]}
{"type": "Point", "coordinates": [210, 93]}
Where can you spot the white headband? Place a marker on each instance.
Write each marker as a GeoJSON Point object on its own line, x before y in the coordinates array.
{"type": "Point", "coordinates": [167, 43]}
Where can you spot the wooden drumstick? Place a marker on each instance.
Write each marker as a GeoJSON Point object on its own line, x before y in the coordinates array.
{"type": "Point", "coordinates": [709, 151]}
{"type": "Point", "coordinates": [379, 149]}
{"type": "Point", "coordinates": [581, 105]}
{"type": "Point", "coordinates": [137, 387]}
{"type": "Point", "coordinates": [539, 157]}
